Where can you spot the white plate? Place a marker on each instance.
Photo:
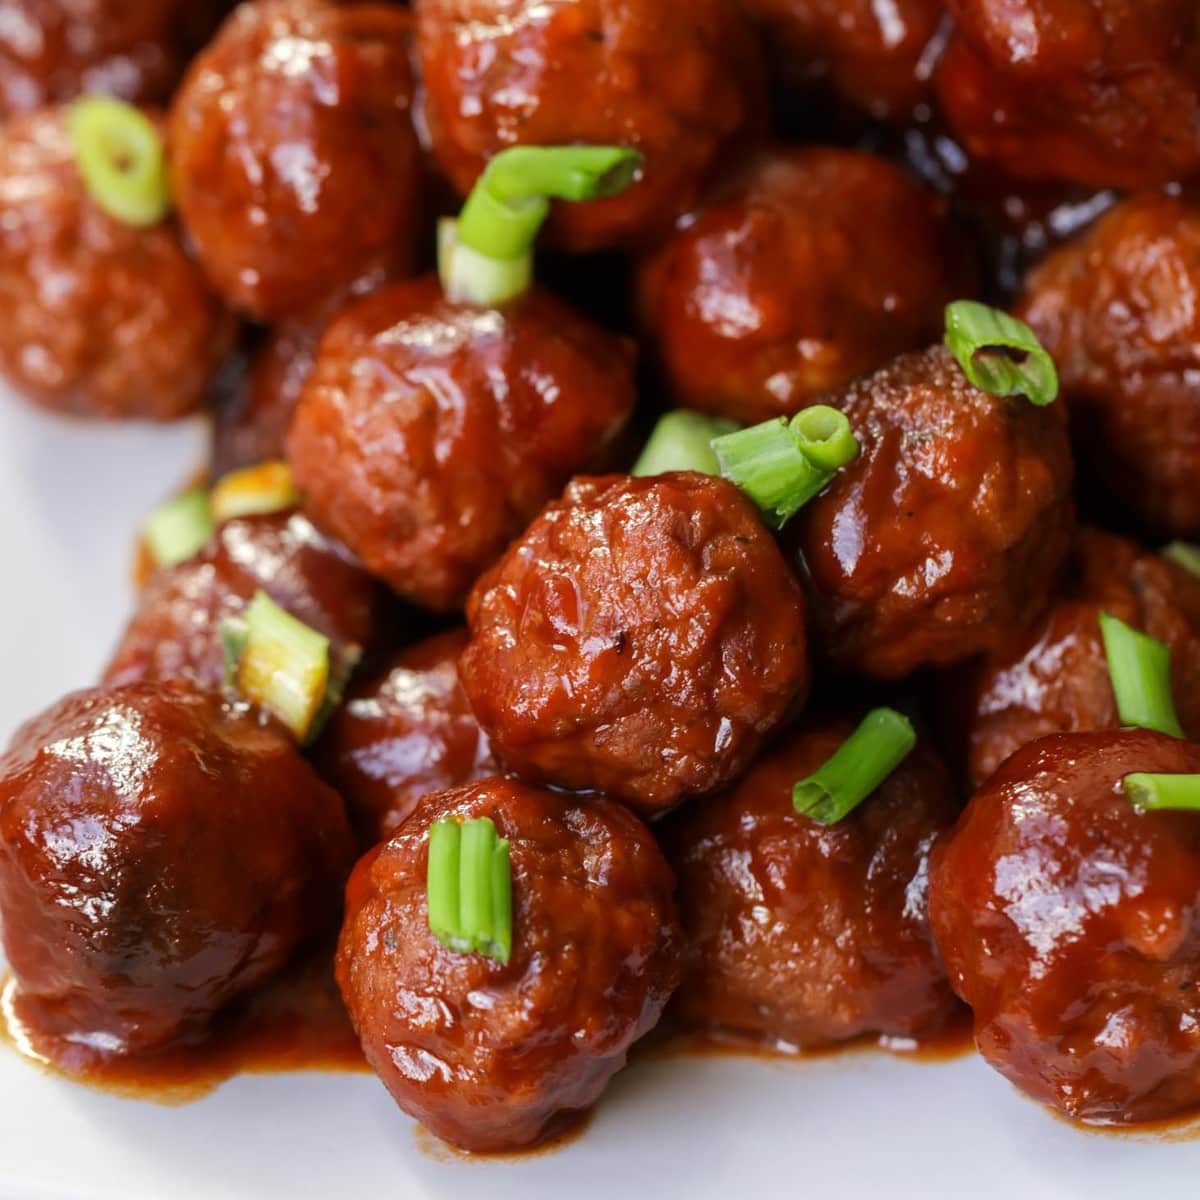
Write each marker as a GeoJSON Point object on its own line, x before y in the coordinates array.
{"type": "Point", "coordinates": [860, 1124]}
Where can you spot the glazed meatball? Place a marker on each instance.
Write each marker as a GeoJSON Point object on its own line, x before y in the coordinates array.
{"type": "Point", "coordinates": [1056, 680]}
{"type": "Point", "coordinates": [294, 161]}
{"type": "Point", "coordinates": [816, 266]}
{"type": "Point", "coordinates": [175, 632]}
{"type": "Point", "coordinates": [518, 1046]}
{"type": "Point", "coordinates": [101, 319]}
{"type": "Point", "coordinates": [430, 432]}
{"type": "Point", "coordinates": [799, 934]}
{"type": "Point", "coordinates": [640, 640]}
{"type": "Point", "coordinates": [680, 82]}
{"type": "Point", "coordinates": [51, 51]}
{"type": "Point", "coordinates": [879, 56]}
{"type": "Point", "coordinates": [408, 732]}
{"type": "Point", "coordinates": [1120, 312]}
{"type": "Point", "coordinates": [1067, 920]}
{"type": "Point", "coordinates": [1100, 92]}
{"type": "Point", "coordinates": [159, 855]}
{"type": "Point", "coordinates": [944, 538]}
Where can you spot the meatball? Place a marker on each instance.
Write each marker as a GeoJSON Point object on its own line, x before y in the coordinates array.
{"type": "Point", "coordinates": [681, 82]}
{"type": "Point", "coordinates": [879, 56]}
{"type": "Point", "coordinates": [51, 51]}
{"type": "Point", "coordinates": [430, 432]}
{"type": "Point", "coordinates": [816, 266]}
{"type": "Point", "coordinates": [943, 539]}
{"type": "Point", "coordinates": [294, 162]}
{"type": "Point", "coordinates": [101, 319]}
{"type": "Point", "coordinates": [1099, 92]}
{"type": "Point", "coordinates": [408, 732]}
{"type": "Point", "coordinates": [641, 639]}
{"type": "Point", "coordinates": [1067, 920]}
{"type": "Point", "coordinates": [1120, 312]}
{"type": "Point", "coordinates": [160, 854]}
{"type": "Point", "coordinates": [175, 632]}
{"type": "Point", "coordinates": [1056, 680]}
{"type": "Point", "coordinates": [801, 934]}
{"type": "Point", "coordinates": [492, 1056]}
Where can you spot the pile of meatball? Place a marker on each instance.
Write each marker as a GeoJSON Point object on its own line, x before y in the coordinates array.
{"type": "Point", "coordinates": [628, 674]}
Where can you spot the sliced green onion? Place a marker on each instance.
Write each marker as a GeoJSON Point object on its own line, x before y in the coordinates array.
{"type": "Point", "coordinates": [486, 256]}
{"type": "Point", "coordinates": [1183, 554]}
{"type": "Point", "coordinates": [265, 488]}
{"type": "Point", "coordinates": [121, 159]}
{"type": "Point", "coordinates": [1179, 793]}
{"type": "Point", "coordinates": [179, 528]}
{"type": "Point", "coordinates": [284, 665]}
{"type": "Point", "coordinates": [469, 887]}
{"type": "Point", "coordinates": [882, 741]}
{"type": "Point", "coordinates": [782, 464]}
{"type": "Point", "coordinates": [1140, 669]}
{"type": "Point", "coordinates": [1000, 354]}
{"type": "Point", "coordinates": [682, 441]}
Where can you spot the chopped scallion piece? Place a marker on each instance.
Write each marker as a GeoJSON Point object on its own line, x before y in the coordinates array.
{"type": "Point", "coordinates": [1000, 354]}
{"type": "Point", "coordinates": [266, 488]}
{"type": "Point", "coordinates": [121, 159]}
{"type": "Point", "coordinates": [1179, 793]}
{"type": "Point", "coordinates": [782, 464]}
{"type": "Point", "coordinates": [1183, 554]}
{"type": "Point", "coordinates": [682, 441]}
{"type": "Point", "coordinates": [1140, 669]}
{"type": "Point", "coordinates": [469, 887]}
{"type": "Point", "coordinates": [469, 277]}
{"type": "Point", "coordinates": [882, 741]}
{"type": "Point", "coordinates": [179, 528]}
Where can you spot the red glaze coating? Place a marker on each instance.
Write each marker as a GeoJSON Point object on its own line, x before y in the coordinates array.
{"type": "Point", "coordinates": [640, 639]}
{"type": "Point", "coordinates": [100, 319]}
{"type": "Point", "coordinates": [160, 855]}
{"type": "Point", "coordinates": [944, 537]}
{"type": "Point", "coordinates": [1100, 92]}
{"type": "Point", "coordinates": [294, 162]}
{"type": "Point", "coordinates": [681, 82]}
{"type": "Point", "coordinates": [816, 266]}
{"type": "Point", "coordinates": [1119, 310]}
{"type": "Point", "coordinates": [430, 433]}
{"type": "Point", "coordinates": [1067, 919]}
{"type": "Point", "coordinates": [879, 56]}
{"type": "Point", "coordinates": [52, 51]}
{"type": "Point", "coordinates": [1056, 680]}
{"type": "Point", "coordinates": [175, 633]}
{"type": "Point", "coordinates": [407, 732]}
{"type": "Point", "coordinates": [489, 1055]}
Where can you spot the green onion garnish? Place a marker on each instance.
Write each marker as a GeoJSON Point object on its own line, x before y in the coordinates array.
{"type": "Point", "coordinates": [1183, 554]}
{"type": "Point", "coordinates": [283, 665]}
{"type": "Point", "coordinates": [486, 256]}
{"type": "Point", "coordinates": [682, 441]}
{"type": "Point", "coordinates": [1171, 792]}
{"type": "Point", "coordinates": [179, 528]}
{"type": "Point", "coordinates": [469, 888]}
{"type": "Point", "coordinates": [1000, 355]}
{"type": "Point", "coordinates": [1140, 669]}
{"type": "Point", "coordinates": [121, 159]}
{"type": "Point", "coordinates": [265, 488]}
{"type": "Point", "coordinates": [882, 741]}
{"type": "Point", "coordinates": [782, 464]}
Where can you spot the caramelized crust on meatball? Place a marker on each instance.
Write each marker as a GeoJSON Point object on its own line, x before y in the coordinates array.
{"type": "Point", "coordinates": [101, 319]}
{"type": "Point", "coordinates": [680, 82]}
{"type": "Point", "coordinates": [492, 1056]}
{"type": "Point", "coordinates": [640, 639]}
{"type": "Point", "coordinates": [430, 433]}
{"type": "Point", "coordinates": [160, 854]}
{"type": "Point", "coordinates": [1067, 920]}
{"type": "Point", "coordinates": [945, 536]}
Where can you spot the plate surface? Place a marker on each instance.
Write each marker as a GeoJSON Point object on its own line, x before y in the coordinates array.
{"type": "Point", "coordinates": [860, 1124]}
